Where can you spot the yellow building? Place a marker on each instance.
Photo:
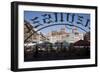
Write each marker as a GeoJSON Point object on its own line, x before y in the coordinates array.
{"type": "Point", "coordinates": [62, 35]}
{"type": "Point", "coordinates": [57, 36]}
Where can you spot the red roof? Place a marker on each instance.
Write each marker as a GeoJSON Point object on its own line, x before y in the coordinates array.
{"type": "Point", "coordinates": [82, 43]}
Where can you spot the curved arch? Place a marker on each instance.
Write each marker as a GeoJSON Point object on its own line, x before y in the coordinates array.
{"type": "Point", "coordinates": [60, 24]}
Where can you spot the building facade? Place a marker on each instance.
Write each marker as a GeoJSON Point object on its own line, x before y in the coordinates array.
{"type": "Point", "coordinates": [62, 35]}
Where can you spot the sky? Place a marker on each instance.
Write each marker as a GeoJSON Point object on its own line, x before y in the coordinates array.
{"type": "Point", "coordinates": [78, 17]}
